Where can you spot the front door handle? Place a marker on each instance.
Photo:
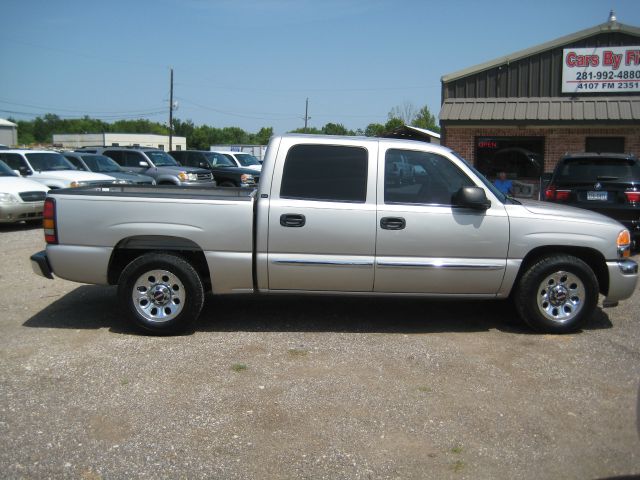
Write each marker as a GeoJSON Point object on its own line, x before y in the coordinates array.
{"type": "Point", "coordinates": [393, 223]}
{"type": "Point", "coordinates": [292, 220]}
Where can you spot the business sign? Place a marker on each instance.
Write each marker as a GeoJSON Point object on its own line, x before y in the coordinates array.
{"type": "Point", "coordinates": [601, 70]}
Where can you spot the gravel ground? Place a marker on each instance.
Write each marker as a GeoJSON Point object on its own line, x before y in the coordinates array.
{"type": "Point", "coordinates": [306, 388]}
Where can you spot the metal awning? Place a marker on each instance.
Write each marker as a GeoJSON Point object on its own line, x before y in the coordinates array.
{"type": "Point", "coordinates": [560, 109]}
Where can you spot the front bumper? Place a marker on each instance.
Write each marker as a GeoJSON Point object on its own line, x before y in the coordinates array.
{"type": "Point", "coordinates": [40, 265]}
{"type": "Point", "coordinates": [623, 277]}
{"type": "Point", "coordinates": [16, 212]}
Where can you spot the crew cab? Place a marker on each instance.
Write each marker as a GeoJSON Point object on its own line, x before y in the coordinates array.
{"type": "Point", "coordinates": [324, 221]}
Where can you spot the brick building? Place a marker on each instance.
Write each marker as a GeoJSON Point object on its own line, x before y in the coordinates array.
{"type": "Point", "coordinates": [522, 112]}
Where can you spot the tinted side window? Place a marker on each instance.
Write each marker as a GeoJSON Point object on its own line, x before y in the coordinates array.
{"type": "Point", "coordinates": [76, 162]}
{"type": "Point", "coordinates": [14, 160]}
{"type": "Point", "coordinates": [421, 177]}
{"type": "Point", "coordinates": [325, 173]}
{"type": "Point", "coordinates": [133, 159]}
{"type": "Point", "coordinates": [116, 155]}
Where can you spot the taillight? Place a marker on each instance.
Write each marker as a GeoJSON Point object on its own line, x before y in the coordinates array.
{"type": "Point", "coordinates": [632, 196]}
{"type": "Point", "coordinates": [552, 193]}
{"type": "Point", "coordinates": [49, 221]}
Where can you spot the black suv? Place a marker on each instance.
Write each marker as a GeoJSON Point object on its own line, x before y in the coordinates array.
{"type": "Point", "coordinates": [607, 183]}
{"type": "Point", "coordinates": [224, 171]}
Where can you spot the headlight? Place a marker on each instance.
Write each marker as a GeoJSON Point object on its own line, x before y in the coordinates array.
{"type": "Point", "coordinates": [75, 184]}
{"type": "Point", "coordinates": [193, 177]}
{"type": "Point", "coordinates": [8, 198]}
{"type": "Point", "coordinates": [183, 176]}
{"type": "Point", "coordinates": [247, 178]}
{"type": "Point", "coordinates": [122, 181]}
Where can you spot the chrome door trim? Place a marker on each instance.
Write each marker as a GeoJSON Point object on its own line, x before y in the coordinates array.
{"type": "Point", "coordinates": [347, 263]}
{"type": "Point", "coordinates": [440, 265]}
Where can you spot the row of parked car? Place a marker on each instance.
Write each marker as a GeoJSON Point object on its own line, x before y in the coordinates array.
{"type": "Point", "coordinates": [41, 170]}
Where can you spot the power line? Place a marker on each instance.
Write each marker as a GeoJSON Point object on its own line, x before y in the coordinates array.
{"type": "Point", "coordinates": [39, 107]}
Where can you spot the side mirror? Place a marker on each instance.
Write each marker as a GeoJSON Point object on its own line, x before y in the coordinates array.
{"type": "Point", "coordinates": [24, 171]}
{"type": "Point", "coordinates": [203, 165]}
{"type": "Point", "coordinates": [144, 163]}
{"type": "Point", "coordinates": [471, 197]}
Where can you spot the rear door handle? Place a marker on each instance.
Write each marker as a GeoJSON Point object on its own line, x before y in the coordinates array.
{"type": "Point", "coordinates": [393, 223]}
{"type": "Point", "coordinates": [292, 220]}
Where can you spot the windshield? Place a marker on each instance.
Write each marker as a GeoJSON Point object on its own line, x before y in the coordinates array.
{"type": "Point", "coordinates": [501, 196]}
{"type": "Point", "coordinates": [162, 159]}
{"type": "Point", "coordinates": [5, 171]}
{"type": "Point", "coordinates": [100, 163]}
{"type": "Point", "coordinates": [218, 160]}
{"type": "Point", "coordinates": [49, 161]}
{"type": "Point", "coordinates": [246, 159]}
{"type": "Point", "coordinates": [592, 170]}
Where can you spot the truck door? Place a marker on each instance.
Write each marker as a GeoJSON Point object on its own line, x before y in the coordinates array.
{"type": "Point", "coordinates": [322, 218]}
{"type": "Point", "coordinates": [426, 245]}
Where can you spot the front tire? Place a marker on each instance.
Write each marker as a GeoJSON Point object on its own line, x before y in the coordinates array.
{"type": "Point", "coordinates": [557, 294]}
{"type": "Point", "coordinates": [161, 293]}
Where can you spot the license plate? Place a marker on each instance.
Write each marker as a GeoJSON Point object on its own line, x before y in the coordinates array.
{"type": "Point", "coordinates": [596, 195]}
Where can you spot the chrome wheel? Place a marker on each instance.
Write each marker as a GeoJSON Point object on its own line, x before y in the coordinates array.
{"type": "Point", "coordinates": [158, 296]}
{"type": "Point", "coordinates": [561, 296]}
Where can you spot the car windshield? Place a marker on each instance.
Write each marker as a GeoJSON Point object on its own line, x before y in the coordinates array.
{"type": "Point", "coordinates": [218, 160]}
{"type": "Point", "coordinates": [501, 196]}
{"type": "Point", "coordinates": [246, 159]}
{"type": "Point", "coordinates": [5, 171]}
{"type": "Point", "coordinates": [591, 170]}
{"type": "Point", "coordinates": [47, 161]}
{"type": "Point", "coordinates": [162, 159]}
{"type": "Point", "coordinates": [101, 163]}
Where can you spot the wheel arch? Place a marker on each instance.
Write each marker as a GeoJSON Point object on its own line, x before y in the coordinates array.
{"type": "Point", "coordinates": [127, 249]}
{"type": "Point", "coordinates": [592, 257]}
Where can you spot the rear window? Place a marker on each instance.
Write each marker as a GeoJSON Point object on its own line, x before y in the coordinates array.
{"type": "Point", "coordinates": [590, 170]}
{"type": "Point", "coordinates": [325, 173]}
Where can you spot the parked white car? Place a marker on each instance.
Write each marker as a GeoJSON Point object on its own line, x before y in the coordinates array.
{"type": "Point", "coordinates": [243, 160]}
{"type": "Point", "coordinates": [20, 199]}
{"type": "Point", "coordinates": [51, 169]}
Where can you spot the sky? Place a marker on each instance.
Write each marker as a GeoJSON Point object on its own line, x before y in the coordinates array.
{"type": "Point", "coordinates": [253, 64]}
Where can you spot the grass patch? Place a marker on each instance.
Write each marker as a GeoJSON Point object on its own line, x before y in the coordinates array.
{"type": "Point", "coordinates": [458, 466]}
{"type": "Point", "coordinates": [124, 381]}
{"type": "Point", "coordinates": [457, 449]}
{"type": "Point", "coordinates": [424, 389]}
{"type": "Point", "coordinates": [238, 367]}
{"type": "Point", "coordinates": [298, 352]}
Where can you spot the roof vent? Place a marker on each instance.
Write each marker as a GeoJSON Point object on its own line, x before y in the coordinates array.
{"type": "Point", "coordinates": [612, 16]}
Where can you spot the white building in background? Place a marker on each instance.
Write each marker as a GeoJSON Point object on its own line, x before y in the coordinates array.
{"type": "Point", "coordinates": [8, 133]}
{"type": "Point", "coordinates": [78, 140]}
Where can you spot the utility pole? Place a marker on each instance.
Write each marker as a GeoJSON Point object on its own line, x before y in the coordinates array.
{"type": "Point", "coordinates": [306, 115]}
{"type": "Point", "coordinates": [171, 112]}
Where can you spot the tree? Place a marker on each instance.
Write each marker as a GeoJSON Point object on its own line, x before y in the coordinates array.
{"type": "Point", "coordinates": [263, 136]}
{"type": "Point", "coordinates": [374, 129]}
{"type": "Point", "coordinates": [425, 119]}
{"type": "Point", "coordinates": [405, 112]}
{"type": "Point", "coordinates": [335, 129]}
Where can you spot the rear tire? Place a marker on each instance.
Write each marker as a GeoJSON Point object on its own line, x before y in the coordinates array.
{"type": "Point", "coordinates": [557, 294]}
{"type": "Point", "coordinates": [161, 293]}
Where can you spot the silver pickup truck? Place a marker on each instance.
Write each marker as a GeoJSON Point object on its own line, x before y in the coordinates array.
{"type": "Point", "coordinates": [338, 215]}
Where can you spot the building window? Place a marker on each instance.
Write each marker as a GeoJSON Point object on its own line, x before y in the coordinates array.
{"type": "Point", "coordinates": [604, 144]}
{"type": "Point", "coordinates": [325, 173]}
{"type": "Point", "coordinates": [178, 147]}
{"type": "Point", "coordinates": [161, 147]}
{"type": "Point", "coordinates": [521, 158]}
